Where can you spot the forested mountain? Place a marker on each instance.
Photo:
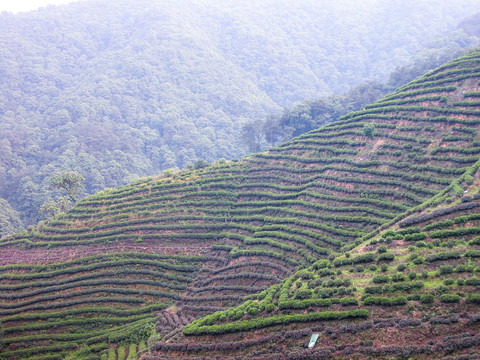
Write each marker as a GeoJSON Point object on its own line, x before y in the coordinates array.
{"type": "Point", "coordinates": [313, 113]}
{"type": "Point", "coordinates": [117, 90]}
{"type": "Point", "coordinates": [364, 231]}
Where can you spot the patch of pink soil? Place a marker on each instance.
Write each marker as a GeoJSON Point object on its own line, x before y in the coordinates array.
{"type": "Point", "coordinates": [17, 255]}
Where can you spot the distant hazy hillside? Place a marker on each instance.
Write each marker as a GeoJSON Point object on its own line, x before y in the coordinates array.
{"type": "Point", "coordinates": [121, 89]}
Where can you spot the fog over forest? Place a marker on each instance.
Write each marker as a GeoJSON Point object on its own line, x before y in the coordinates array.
{"type": "Point", "coordinates": [125, 89]}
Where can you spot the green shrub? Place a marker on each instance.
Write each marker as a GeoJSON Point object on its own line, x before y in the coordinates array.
{"type": "Point", "coordinates": [448, 281]}
{"type": "Point", "coordinates": [382, 249]}
{"type": "Point", "coordinates": [450, 298]}
{"type": "Point", "coordinates": [384, 301]}
{"type": "Point", "coordinates": [415, 237]}
{"type": "Point", "coordinates": [442, 289]}
{"type": "Point", "coordinates": [427, 298]}
{"type": "Point", "coordinates": [253, 311]}
{"type": "Point", "coordinates": [348, 301]}
{"type": "Point", "coordinates": [121, 353]}
{"type": "Point", "coordinates": [446, 255]}
{"type": "Point", "coordinates": [378, 279]}
{"type": "Point", "coordinates": [413, 256]}
{"type": "Point", "coordinates": [473, 281]}
{"type": "Point", "coordinates": [445, 269]}
{"type": "Point", "coordinates": [363, 258]}
{"type": "Point", "coordinates": [398, 277]}
{"type": "Point", "coordinates": [259, 323]}
{"type": "Point", "coordinates": [399, 300]}
{"type": "Point", "coordinates": [378, 289]}
{"type": "Point", "coordinates": [132, 352]}
{"type": "Point", "coordinates": [473, 299]}
{"type": "Point", "coordinates": [111, 354]}
{"type": "Point", "coordinates": [307, 275]}
{"type": "Point", "coordinates": [237, 314]}
{"type": "Point", "coordinates": [269, 307]}
{"type": "Point", "coordinates": [418, 260]}
{"type": "Point", "coordinates": [439, 224]}
{"type": "Point", "coordinates": [303, 294]}
{"type": "Point", "coordinates": [472, 253]}
{"type": "Point", "coordinates": [369, 130]}
{"type": "Point", "coordinates": [385, 257]}
{"type": "Point", "coordinates": [412, 275]}
{"type": "Point", "coordinates": [321, 264]}
{"type": "Point", "coordinates": [475, 241]}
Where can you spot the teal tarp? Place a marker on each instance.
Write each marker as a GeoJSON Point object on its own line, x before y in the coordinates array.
{"type": "Point", "coordinates": [313, 341]}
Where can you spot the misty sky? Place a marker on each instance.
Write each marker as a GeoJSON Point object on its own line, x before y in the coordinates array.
{"type": "Point", "coordinates": [16, 6]}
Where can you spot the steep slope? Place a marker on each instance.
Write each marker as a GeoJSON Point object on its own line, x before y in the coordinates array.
{"type": "Point", "coordinates": [167, 250]}
{"type": "Point", "coordinates": [120, 89]}
{"type": "Point", "coordinates": [417, 285]}
{"type": "Point", "coordinates": [413, 292]}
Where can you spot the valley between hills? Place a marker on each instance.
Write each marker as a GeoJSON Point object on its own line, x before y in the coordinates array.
{"type": "Point", "coordinates": [365, 231]}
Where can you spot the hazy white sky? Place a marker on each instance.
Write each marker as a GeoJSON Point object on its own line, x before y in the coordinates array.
{"type": "Point", "coordinates": [16, 6]}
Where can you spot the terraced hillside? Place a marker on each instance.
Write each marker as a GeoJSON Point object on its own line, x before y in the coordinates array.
{"type": "Point", "coordinates": [412, 292]}
{"type": "Point", "coordinates": [266, 250]}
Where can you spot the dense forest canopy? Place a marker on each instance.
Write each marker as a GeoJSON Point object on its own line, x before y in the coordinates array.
{"type": "Point", "coordinates": [117, 90]}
